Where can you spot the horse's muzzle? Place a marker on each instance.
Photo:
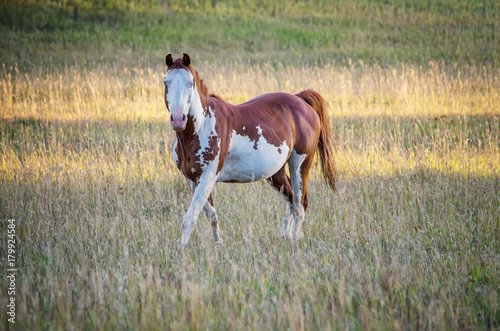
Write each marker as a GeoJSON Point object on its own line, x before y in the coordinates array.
{"type": "Point", "coordinates": [178, 122]}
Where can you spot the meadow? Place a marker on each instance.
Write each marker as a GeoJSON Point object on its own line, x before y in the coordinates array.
{"type": "Point", "coordinates": [411, 239]}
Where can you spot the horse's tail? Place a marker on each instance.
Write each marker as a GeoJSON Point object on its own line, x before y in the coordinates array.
{"type": "Point", "coordinates": [326, 147]}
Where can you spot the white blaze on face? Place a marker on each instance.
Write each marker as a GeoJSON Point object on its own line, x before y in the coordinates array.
{"type": "Point", "coordinates": [180, 92]}
{"type": "Point", "coordinates": [245, 164]}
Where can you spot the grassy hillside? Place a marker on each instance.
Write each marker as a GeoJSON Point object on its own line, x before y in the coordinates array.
{"type": "Point", "coordinates": [410, 240]}
{"type": "Point", "coordinates": [288, 32]}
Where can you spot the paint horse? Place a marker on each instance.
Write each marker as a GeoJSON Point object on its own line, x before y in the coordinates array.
{"type": "Point", "coordinates": [219, 142]}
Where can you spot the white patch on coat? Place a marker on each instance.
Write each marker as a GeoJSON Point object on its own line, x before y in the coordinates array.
{"type": "Point", "coordinates": [174, 153]}
{"type": "Point", "coordinates": [245, 164]}
{"type": "Point", "coordinates": [205, 133]}
{"type": "Point", "coordinates": [196, 112]}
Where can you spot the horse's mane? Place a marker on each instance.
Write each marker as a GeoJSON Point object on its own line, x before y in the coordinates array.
{"type": "Point", "coordinates": [216, 96]}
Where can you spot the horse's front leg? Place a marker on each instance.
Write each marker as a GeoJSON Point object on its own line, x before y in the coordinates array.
{"type": "Point", "coordinates": [209, 209]}
{"type": "Point", "coordinates": [201, 193]}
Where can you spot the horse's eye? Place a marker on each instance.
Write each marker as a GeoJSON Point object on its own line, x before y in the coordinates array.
{"type": "Point", "coordinates": [191, 85]}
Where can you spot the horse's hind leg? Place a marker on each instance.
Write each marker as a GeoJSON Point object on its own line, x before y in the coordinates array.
{"type": "Point", "coordinates": [300, 164]}
{"type": "Point", "coordinates": [209, 209]}
{"type": "Point", "coordinates": [281, 182]}
{"type": "Point", "coordinates": [210, 213]}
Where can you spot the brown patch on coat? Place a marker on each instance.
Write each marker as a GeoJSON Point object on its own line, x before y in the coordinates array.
{"type": "Point", "coordinates": [187, 142]}
{"type": "Point", "coordinates": [211, 151]}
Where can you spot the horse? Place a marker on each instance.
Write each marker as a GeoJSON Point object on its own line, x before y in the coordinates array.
{"type": "Point", "coordinates": [220, 142]}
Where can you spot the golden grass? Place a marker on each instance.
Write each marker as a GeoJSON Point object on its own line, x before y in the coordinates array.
{"type": "Point", "coordinates": [118, 97]}
{"type": "Point", "coordinates": [410, 240]}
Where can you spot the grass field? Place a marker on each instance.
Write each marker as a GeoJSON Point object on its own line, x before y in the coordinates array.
{"type": "Point", "coordinates": [411, 239]}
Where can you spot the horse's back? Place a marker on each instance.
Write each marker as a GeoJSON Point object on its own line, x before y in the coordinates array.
{"type": "Point", "coordinates": [284, 110]}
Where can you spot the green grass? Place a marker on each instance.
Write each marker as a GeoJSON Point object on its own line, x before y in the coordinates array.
{"type": "Point", "coordinates": [410, 240]}
{"type": "Point", "coordinates": [386, 32]}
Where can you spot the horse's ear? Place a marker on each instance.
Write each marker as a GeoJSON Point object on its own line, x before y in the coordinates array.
{"type": "Point", "coordinates": [186, 60]}
{"type": "Point", "coordinates": [168, 60]}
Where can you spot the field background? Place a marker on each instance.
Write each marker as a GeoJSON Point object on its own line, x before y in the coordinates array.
{"type": "Point", "coordinates": [411, 239]}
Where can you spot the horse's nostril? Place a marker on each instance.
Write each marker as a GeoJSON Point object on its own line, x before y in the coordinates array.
{"type": "Point", "coordinates": [183, 117]}
{"type": "Point", "coordinates": [171, 118]}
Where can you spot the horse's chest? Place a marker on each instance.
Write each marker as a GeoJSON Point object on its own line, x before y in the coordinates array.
{"type": "Point", "coordinates": [189, 167]}
{"type": "Point", "coordinates": [192, 160]}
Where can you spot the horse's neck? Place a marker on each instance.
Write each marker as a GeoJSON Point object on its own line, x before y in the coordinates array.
{"type": "Point", "coordinates": [195, 123]}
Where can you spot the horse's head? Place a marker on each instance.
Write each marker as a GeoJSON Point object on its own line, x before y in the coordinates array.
{"type": "Point", "coordinates": [180, 90]}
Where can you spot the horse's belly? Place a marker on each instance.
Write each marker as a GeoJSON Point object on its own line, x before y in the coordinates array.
{"type": "Point", "coordinates": [249, 161]}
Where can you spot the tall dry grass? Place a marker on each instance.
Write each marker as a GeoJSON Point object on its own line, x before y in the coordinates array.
{"type": "Point", "coordinates": [411, 240]}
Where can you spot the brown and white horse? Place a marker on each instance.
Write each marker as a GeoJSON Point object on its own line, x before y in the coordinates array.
{"type": "Point", "coordinates": [220, 142]}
